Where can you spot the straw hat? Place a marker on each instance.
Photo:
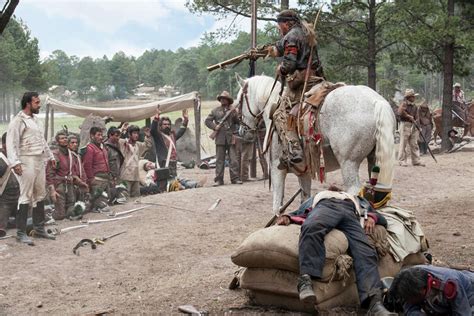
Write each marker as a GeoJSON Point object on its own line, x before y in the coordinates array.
{"type": "Point", "coordinates": [410, 93]}
{"type": "Point", "coordinates": [225, 95]}
{"type": "Point", "coordinates": [457, 85]}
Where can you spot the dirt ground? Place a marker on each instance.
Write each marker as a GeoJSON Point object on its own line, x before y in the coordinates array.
{"type": "Point", "coordinates": [179, 252]}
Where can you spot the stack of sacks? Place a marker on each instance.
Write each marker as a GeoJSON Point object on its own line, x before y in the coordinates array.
{"type": "Point", "coordinates": [270, 257]}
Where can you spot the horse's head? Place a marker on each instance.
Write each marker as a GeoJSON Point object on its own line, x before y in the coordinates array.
{"type": "Point", "coordinates": [248, 123]}
{"type": "Point", "coordinates": [253, 98]}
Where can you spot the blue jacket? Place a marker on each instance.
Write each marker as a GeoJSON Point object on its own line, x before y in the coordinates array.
{"type": "Point", "coordinates": [460, 305]}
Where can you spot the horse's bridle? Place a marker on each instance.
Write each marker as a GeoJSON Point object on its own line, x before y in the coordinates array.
{"type": "Point", "coordinates": [244, 97]}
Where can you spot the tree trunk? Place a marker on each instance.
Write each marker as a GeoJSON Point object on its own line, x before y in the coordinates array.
{"type": "Point", "coordinates": [285, 4]}
{"type": "Point", "coordinates": [5, 17]}
{"type": "Point", "coordinates": [371, 50]}
{"type": "Point", "coordinates": [447, 83]}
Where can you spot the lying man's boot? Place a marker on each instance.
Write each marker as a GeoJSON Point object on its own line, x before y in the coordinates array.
{"type": "Point", "coordinates": [21, 220]}
{"type": "Point", "coordinates": [38, 222]}
{"type": "Point", "coordinates": [305, 289]}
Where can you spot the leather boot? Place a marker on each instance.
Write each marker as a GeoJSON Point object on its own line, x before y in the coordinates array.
{"type": "Point", "coordinates": [38, 222]}
{"type": "Point", "coordinates": [305, 289]}
{"type": "Point", "coordinates": [295, 151]}
{"type": "Point", "coordinates": [21, 218]}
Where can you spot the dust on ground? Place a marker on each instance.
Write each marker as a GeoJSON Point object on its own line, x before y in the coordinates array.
{"type": "Point", "coordinates": [178, 252]}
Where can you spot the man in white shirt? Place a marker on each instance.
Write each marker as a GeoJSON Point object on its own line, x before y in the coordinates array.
{"type": "Point", "coordinates": [27, 154]}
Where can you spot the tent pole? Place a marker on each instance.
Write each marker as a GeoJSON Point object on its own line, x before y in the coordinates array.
{"type": "Point", "coordinates": [46, 122]}
{"type": "Point", "coordinates": [52, 122]}
{"type": "Point", "coordinates": [197, 124]}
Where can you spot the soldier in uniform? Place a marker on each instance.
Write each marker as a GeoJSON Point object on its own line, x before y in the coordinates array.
{"type": "Point", "coordinates": [425, 121]}
{"type": "Point", "coordinates": [9, 189]}
{"type": "Point", "coordinates": [297, 48]}
{"type": "Point", "coordinates": [225, 138]}
{"type": "Point", "coordinates": [408, 131]}
{"type": "Point", "coordinates": [27, 152]}
{"type": "Point", "coordinates": [429, 290]}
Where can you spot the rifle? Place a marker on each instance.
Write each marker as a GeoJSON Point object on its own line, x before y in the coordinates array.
{"type": "Point", "coordinates": [215, 132]}
{"type": "Point", "coordinates": [251, 54]}
{"type": "Point", "coordinates": [424, 140]}
{"type": "Point", "coordinates": [283, 208]}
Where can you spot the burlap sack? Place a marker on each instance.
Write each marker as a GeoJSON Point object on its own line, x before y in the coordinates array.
{"type": "Point", "coordinates": [285, 283]}
{"type": "Point", "coordinates": [414, 259]}
{"type": "Point", "coordinates": [346, 298]}
{"type": "Point", "coordinates": [277, 247]}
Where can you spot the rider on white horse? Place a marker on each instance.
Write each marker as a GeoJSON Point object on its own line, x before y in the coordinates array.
{"type": "Point", "coordinates": [301, 69]}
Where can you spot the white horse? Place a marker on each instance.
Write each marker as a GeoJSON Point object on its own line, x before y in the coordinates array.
{"type": "Point", "coordinates": [355, 122]}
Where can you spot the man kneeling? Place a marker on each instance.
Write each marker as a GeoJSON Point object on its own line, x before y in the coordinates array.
{"type": "Point", "coordinates": [352, 215]}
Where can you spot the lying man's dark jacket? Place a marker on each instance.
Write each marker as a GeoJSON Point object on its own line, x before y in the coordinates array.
{"type": "Point", "coordinates": [300, 215]}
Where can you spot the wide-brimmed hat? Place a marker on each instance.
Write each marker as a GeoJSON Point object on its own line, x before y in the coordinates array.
{"type": "Point", "coordinates": [410, 93]}
{"type": "Point", "coordinates": [225, 95]}
{"type": "Point", "coordinates": [457, 85]}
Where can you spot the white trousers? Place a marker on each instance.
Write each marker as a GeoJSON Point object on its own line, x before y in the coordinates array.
{"type": "Point", "coordinates": [33, 180]}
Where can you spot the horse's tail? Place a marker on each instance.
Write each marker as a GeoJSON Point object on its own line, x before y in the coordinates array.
{"type": "Point", "coordinates": [384, 149]}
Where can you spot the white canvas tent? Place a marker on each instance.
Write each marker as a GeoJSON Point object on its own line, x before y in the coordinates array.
{"type": "Point", "coordinates": [129, 113]}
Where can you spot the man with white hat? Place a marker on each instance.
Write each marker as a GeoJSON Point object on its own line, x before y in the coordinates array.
{"type": "Point", "coordinates": [408, 131]}
{"type": "Point", "coordinates": [459, 103]}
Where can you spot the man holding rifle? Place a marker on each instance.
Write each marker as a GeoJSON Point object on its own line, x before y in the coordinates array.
{"type": "Point", "coordinates": [223, 121]}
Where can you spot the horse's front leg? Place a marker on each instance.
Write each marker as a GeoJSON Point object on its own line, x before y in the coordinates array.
{"type": "Point", "coordinates": [278, 182]}
{"type": "Point", "coordinates": [305, 185]}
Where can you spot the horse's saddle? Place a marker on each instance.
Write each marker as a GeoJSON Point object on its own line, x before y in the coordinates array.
{"type": "Point", "coordinates": [317, 94]}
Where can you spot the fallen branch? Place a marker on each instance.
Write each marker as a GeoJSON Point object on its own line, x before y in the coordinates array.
{"type": "Point", "coordinates": [6, 237]}
{"type": "Point", "coordinates": [213, 206]}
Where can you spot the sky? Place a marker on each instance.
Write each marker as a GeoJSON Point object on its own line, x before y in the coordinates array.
{"type": "Point", "coordinates": [103, 27]}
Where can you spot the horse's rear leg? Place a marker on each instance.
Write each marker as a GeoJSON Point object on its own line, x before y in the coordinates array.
{"type": "Point", "coordinates": [371, 161]}
{"type": "Point", "coordinates": [350, 176]}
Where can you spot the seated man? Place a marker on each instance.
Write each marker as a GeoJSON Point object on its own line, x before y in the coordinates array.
{"type": "Point", "coordinates": [9, 189]}
{"type": "Point", "coordinates": [352, 215]}
{"type": "Point", "coordinates": [429, 290]}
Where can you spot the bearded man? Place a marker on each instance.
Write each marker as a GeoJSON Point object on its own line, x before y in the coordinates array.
{"type": "Point", "coordinates": [164, 138]}
{"type": "Point", "coordinates": [299, 63]}
{"type": "Point", "coordinates": [27, 153]}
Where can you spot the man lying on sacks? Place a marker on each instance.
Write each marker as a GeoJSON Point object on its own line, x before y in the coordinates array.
{"type": "Point", "coordinates": [355, 217]}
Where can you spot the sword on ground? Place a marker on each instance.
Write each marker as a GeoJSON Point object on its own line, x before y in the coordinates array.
{"type": "Point", "coordinates": [424, 140]}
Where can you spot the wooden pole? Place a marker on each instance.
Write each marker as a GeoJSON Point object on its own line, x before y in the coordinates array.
{"type": "Point", "coordinates": [46, 122]}
{"type": "Point", "coordinates": [52, 122]}
{"type": "Point", "coordinates": [252, 65]}
{"type": "Point", "coordinates": [197, 124]}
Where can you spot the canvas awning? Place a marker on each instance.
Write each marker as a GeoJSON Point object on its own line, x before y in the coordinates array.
{"type": "Point", "coordinates": [128, 113]}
